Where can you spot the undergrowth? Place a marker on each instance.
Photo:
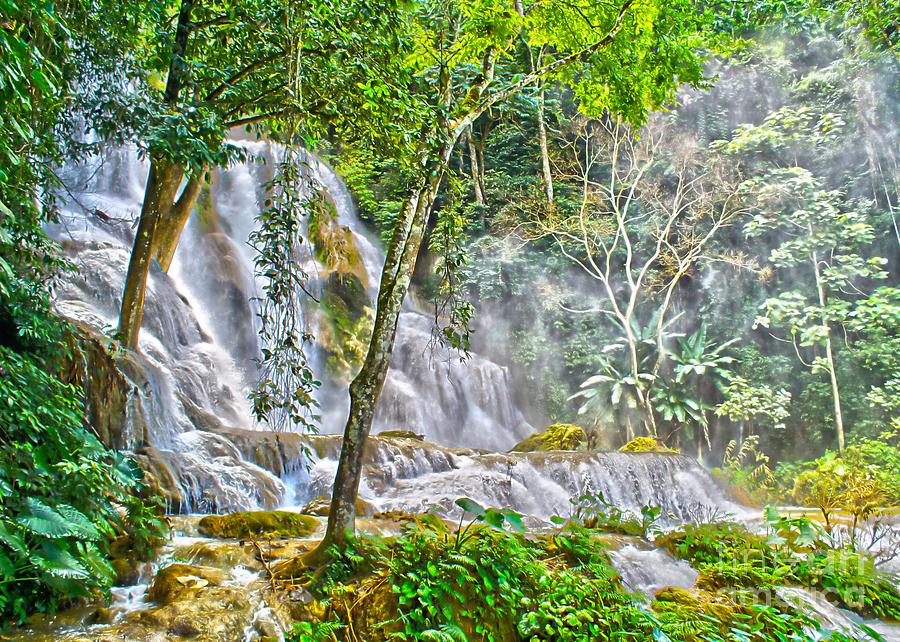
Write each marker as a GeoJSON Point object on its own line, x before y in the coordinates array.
{"type": "Point", "coordinates": [494, 584]}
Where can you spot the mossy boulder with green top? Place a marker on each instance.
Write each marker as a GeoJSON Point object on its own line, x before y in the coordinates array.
{"type": "Point", "coordinates": [555, 437]}
{"type": "Point", "coordinates": [258, 525]}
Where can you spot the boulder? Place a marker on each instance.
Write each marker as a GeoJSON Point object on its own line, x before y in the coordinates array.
{"type": "Point", "coordinates": [172, 582]}
{"type": "Point", "coordinates": [258, 524]}
{"type": "Point", "coordinates": [646, 445]}
{"type": "Point", "coordinates": [321, 507]}
{"type": "Point", "coordinates": [555, 437]}
{"type": "Point", "coordinates": [224, 555]}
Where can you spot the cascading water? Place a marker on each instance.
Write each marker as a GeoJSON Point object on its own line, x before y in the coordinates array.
{"type": "Point", "coordinates": [411, 476]}
{"type": "Point", "coordinates": [199, 342]}
{"type": "Point", "coordinates": [196, 367]}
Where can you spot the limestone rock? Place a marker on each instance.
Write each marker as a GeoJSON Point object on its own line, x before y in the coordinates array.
{"type": "Point", "coordinates": [172, 582]}
{"type": "Point", "coordinates": [401, 434]}
{"type": "Point", "coordinates": [258, 524]}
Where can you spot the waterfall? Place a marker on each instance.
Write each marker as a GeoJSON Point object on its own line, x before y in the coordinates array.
{"type": "Point", "coordinates": [199, 341]}
{"type": "Point", "coordinates": [412, 476]}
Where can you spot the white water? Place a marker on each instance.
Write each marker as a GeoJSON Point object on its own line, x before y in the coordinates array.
{"type": "Point", "coordinates": [198, 344]}
{"type": "Point", "coordinates": [834, 619]}
{"type": "Point", "coordinates": [649, 569]}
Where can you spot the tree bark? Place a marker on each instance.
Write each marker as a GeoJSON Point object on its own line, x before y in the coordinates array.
{"type": "Point", "coordinates": [546, 176]}
{"type": "Point", "coordinates": [365, 389]}
{"type": "Point", "coordinates": [172, 223]}
{"type": "Point", "coordinates": [474, 170]}
{"type": "Point", "coordinates": [162, 183]}
{"type": "Point", "coordinates": [829, 357]}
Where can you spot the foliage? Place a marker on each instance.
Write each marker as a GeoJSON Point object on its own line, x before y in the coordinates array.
{"type": "Point", "coordinates": [314, 631]}
{"type": "Point", "coordinates": [61, 492]}
{"type": "Point", "coordinates": [834, 483]}
{"type": "Point", "coordinates": [498, 519]}
{"type": "Point", "coordinates": [593, 512]}
{"type": "Point", "coordinates": [793, 552]}
{"type": "Point", "coordinates": [746, 467]}
{"type": "Point", "coordinates": [475, 585]}
{"type": "Point", "coordinates": [744, 401]}
{"type": "Point", "coordinates": [283, 397]}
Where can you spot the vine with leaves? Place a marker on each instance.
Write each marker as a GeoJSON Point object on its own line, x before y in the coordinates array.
{"type": "Point", "coordinates": [283, 397]}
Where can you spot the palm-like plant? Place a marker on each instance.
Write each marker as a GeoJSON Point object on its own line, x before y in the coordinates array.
{"type": "Point", "coordinates": [698, 363]}
{"type": "Point", "coordinates": [699, 356]}
{"type": "Point", "coordinates": [618, 394]}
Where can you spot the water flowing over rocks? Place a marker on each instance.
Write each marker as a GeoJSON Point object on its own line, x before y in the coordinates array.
{"type": "Point", "coordinates": [184, 396]}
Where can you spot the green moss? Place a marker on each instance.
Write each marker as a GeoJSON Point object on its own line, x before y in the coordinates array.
{"type": "Point", "coordinates": [258, 524]}
{"type": "Point", "coordinates": [645, 445]}
{"type": "Point", "coordinates": [401, 434]}
{"type": "Point", "coordinates": [347, 323]}
{"type": "Point", "coordinates": [334, 246]}
{"type": "Point", "coordinates": [555, 437]}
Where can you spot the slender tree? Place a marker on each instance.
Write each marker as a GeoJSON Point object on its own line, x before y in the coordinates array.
{"type": "Point", "coordinates": [625, 56]}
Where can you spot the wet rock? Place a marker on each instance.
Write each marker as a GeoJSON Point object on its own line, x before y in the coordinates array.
{"type": "Point", "coordinates": [174, 582]}
{"type": "Point", "coordinates": [208, 614]}
{"type": "Point", "coordinates": [401, 434]}
{"type": "Point", "coordinates": [281, 453]}
{"type": "Point", "coordinates": [160, 475]}
{"type": "Point", "coordinates": [320, 506]}
{"type": "Point", "coordinates": [555, 437]}
{"type": "Point", "coordinates": [222, 555]}
{"type": "Point", "coordinates": [258, 524]}
{"type": "Point", "coordinates": [111, 379]}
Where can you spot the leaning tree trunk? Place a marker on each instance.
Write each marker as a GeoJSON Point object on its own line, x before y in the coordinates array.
{"type": "Point", "coordinates": [474, 167]}
{"type": "Point", "coordinates": [829, 356]}
{"type": "Point", "coordinates": [171, 224]}
{"type": "Point", "coordinates": [365, 389]}
{"type": "Point", "coordinates": [159, 196]}
{"type": "Point", "coordinates": [162, 183]}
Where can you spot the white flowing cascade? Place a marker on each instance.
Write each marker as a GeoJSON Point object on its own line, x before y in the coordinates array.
{"type": "Point", "coordinates": [199, 341]}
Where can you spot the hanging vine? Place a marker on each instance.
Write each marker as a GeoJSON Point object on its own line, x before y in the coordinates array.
{"type": "Point", "coordinates": [283, 398]}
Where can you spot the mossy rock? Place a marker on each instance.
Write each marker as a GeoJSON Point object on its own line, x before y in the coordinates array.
{"type": "Point", "coordinates": [677, 595]}
{"type": "Point", "coordinates": [173, 582]}
{"type": "Point", "coordinates": [646, 445]}
{"type": "Point", "coordinates": [347, 323]}
{"type": "Point", "coordinates": [401, 434]}
{"type": "Point", "coordinates": [555, 437]}
{"type": "Point", "coordinates": [334, 245]}
{"type": "Point", "coordinates": [258, 524]}
{"type": "Point", "coordinates": [428, 521]}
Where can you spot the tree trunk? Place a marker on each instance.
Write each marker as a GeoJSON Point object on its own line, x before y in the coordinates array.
{"type": "Point", "coordinates": [829, 357]}
{"type": "Point", "coordinates": [546, 176]}
{"type": "Point", "coordinates": [474, 167]}
{"type": "Point", "coordinates": [172, 223]}
{"type": "Point", "coordinates": [162, 183]}
{"type": "Point", "coordinates": [365, 389]}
